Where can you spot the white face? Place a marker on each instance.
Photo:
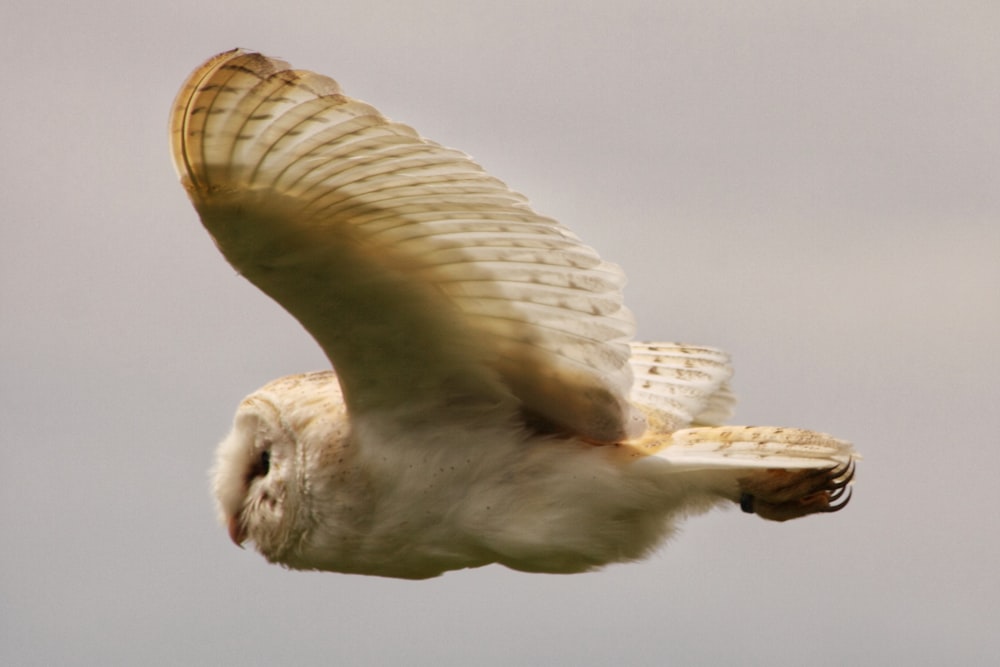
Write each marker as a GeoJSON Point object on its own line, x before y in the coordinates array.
{"type": "Point", "coordinates": [285, 469]}
{"type": "Point", "coordinates": [254, 476]}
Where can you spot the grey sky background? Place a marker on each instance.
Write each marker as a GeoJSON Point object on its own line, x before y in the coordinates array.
{"type": "Point", "coordinates": [811, 186]}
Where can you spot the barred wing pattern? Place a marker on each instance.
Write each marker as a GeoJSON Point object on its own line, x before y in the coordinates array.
{"type": "Point", "coordinates": [682, 384]}
{"type": "Point", "coordinates": [418, 273]}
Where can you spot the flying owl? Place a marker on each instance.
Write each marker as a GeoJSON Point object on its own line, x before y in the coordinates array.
{"type": "Point", "coordinates": [487, 404]}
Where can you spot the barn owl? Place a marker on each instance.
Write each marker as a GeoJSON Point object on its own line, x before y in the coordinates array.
{"type": "Point", "coordinates": [487, 404]}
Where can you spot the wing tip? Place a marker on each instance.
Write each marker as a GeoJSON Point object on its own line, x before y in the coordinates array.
{"type": "Point", "coordinates": [182, 136]}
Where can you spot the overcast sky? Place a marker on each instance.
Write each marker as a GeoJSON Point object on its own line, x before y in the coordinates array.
{"type": "Point", "coordinates": [813, 186]}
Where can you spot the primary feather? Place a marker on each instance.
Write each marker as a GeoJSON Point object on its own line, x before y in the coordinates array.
{"type": "Point", "coordinates": [487, 404]}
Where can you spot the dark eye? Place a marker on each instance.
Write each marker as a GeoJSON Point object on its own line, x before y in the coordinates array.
{"type": "Point", "coordinates": [262, 465]}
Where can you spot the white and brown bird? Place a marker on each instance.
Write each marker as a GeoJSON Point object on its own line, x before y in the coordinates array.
{"type": "Point", "coordinates": [487, 404]}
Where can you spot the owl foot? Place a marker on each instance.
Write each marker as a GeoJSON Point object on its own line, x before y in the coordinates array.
{"type": "Point", "coordinates": [780, 495]}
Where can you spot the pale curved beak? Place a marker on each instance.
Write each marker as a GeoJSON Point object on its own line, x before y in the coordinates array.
{"type": "Point", "coordinates": [237, 533]}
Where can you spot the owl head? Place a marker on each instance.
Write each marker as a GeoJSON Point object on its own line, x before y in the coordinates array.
{"type": "Point", "coordinates": [288, 441]}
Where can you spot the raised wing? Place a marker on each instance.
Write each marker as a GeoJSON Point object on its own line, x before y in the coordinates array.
{"type": "Point", "coordinates": [421, 276]}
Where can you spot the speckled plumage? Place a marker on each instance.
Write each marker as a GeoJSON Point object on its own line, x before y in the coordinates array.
{"type": "Point", "coordinates": [487, 404]}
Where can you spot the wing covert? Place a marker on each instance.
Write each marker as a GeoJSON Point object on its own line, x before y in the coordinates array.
{"type": "Point", "coordinates": [682, 384]}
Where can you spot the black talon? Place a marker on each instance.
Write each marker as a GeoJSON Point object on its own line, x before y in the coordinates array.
{"type": "Point", "coordinates": [836, 508]}
{"type": "Point", "coordinates": [836, 493]}
{"type": "Point", "coordinates": [747, 502]}
{"type": "Point", "coordinates": [823, 472]}
{"type": "Point", "coordinates": [838, 485]}
{"type": "Point", "coordinates": [848, 474]}
{"type": "Point", "coordinates": [843, 479]}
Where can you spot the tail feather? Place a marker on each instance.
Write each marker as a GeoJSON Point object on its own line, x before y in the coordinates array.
{"type": "Point", "coordinates": [766, 447]}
